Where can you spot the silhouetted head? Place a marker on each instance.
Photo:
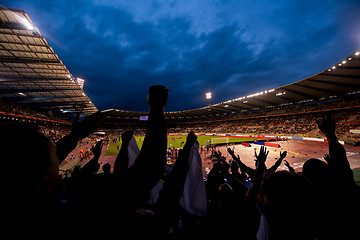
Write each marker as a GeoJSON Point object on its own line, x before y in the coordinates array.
{"type": "Point", "coordinates": [226, 197]}
{"type": "Point", "coordinates": [28, 160]}
{"type": "Point", "coordinates": [317, 172]}
{"type": "Point", "coordinates": [157, 96]}
{"type": "Point", "coordinates": [286, 201]}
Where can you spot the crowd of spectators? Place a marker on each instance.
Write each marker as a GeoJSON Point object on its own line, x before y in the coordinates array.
{"type": "Point", "coordinates": [284, 125]}
{"type": "Point", "coordinates": [320, 203]}
{"type": "Point", "coordinates": [54, 132]}
{"type": "Point", "coordinates": [294, 120]}
{"type": "Point", "coordinates": [9, 107]}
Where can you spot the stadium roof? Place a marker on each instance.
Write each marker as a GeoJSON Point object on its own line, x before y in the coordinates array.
{"type": "Point", "coordinates": [340, 80]}
{"type": "Point", "coordinates": [31, 73]}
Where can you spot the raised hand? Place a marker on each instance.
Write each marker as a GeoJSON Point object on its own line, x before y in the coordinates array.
{"type": "Point", "coordinates": [230, 151]}
{"type": "Point", "coordinates": [261, 158]}
{"type": "Point", "coordinates": [157, 97]}
{"type": "Point", "coordinates": [287, 164]}
{"type": "Point", "coordinates": [283, 154]}
{"type": "Point", "coordinates": [80, 130]}
{"type": "Point", "coordinates": [93, 165]}
{"type": "Point", "coordinates": [97, 149]}
{"type": "Point", "coordinates": [84, 128]}
{"type": "Point", "coordinates": [327, 158]}
{"type": "Point", "coordinates": [126, 137]}
{"type": "Point", "coordinates": [327, 126]}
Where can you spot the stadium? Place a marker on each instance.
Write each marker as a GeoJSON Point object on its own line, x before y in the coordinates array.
{"type": "Point", "coordinates": [37, 88]}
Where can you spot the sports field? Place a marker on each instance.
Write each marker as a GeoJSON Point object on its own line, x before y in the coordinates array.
{"type": "Point", "coordinates": [178, 141]}
{"type": "Point", "coordinates": [298, 151]}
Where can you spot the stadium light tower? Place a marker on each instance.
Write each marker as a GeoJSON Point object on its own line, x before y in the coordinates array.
{"type": "Point", "coordinates": [208, 97]}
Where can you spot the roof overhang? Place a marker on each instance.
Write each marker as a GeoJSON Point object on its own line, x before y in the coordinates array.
{"type": "Point", "coordinates": [339, 80]}
{"type": "Point", "coordinates": [31, 72]}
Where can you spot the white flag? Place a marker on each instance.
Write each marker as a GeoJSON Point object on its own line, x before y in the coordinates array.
{"type": "Point", "coordinates": [133, 150]}
{"type": "Point", "coordinates": [193, 199]}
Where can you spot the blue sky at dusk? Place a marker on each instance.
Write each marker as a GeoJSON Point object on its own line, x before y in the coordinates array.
{"type": "Point", "coordinates": [230, 48]}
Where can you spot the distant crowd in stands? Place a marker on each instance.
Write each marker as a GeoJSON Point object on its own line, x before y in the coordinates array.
{"type": "Point", "coordinates": [294, 120]}
{"type": "Point", "coordinates": [54, 132]}
{"type": "Point", "coordinates": [281, 126]}
{"type": "Point", "coordinates": [9, 107]}
{"type": "Point", "coordinates": [144, 198]}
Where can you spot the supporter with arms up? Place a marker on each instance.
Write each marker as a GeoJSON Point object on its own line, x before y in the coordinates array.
{"type": "Point", "coordinates": [149, 166]}
{"type": "Point", "coordinates": [31, 174]}
{"type": "Point", "coordinates": [339, 165]}
{"type": "Point", "coordinates": [244, 169]}
{"type": "Point", "coordinates": [251, 171]}
{"type": "Point", "coordinates": [279, 196]}
{"type": "Point", "coordinates": [343, 208]}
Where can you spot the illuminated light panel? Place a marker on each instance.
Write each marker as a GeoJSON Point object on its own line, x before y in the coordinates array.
{"type": "Point", "coordinates": [208, 95]}
{"type": "Point", "coordinates": [27, 24]}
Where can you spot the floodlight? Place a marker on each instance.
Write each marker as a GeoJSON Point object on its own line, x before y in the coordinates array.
{"type": "Point", "coordinates": [80, 82]}
{"type": "Point", "coordinates": [28, 25]}
{"type": "Point", "coordinates": [208, 95]}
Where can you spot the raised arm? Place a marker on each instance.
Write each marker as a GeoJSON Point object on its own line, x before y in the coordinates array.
{"type": "Point", "coordinates": [167, 205]}
{"type": "Point", "coordinates": [337, 160]}
{"type": "Point", "coordinates": [254, 190]}
{"type": "Point", "coordinates": [287, 164]}
{"type": "Point", "coordinates": [250, 171]}
{"type": "Point", "coordinates": [93, 165]}
{"type": "Point", "coordinates": [149, 166]}
{"type": "Point", "coordinates": [278, 162]}
{"type": "Point", "coordinates": [80, 130]}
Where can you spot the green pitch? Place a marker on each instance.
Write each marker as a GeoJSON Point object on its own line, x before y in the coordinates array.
{"type": "Point", "coordinates": [176, 141]}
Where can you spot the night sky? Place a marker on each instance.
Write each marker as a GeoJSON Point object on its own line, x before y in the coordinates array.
{"type": "Point", "coordinates": [230, 48]}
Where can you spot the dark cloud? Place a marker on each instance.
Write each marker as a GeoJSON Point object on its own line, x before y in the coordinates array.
{"type": "Point", "coordinates": [231, 48]}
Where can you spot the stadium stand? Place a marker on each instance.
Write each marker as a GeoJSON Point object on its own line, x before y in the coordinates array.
{"type": "Point", "coordinates": [31, 72]}
{"type": "Point", "coordinates": [295, 120]}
